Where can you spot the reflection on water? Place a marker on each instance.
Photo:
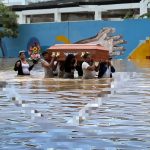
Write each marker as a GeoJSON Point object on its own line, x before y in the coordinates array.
{"type": "Point", "coordinates": [142, 63]}
{"type": "Point", "coordinates": [61, 114]}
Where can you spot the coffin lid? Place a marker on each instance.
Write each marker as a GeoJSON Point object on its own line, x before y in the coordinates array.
{"type": "Point", "coordinates": [77, 47]}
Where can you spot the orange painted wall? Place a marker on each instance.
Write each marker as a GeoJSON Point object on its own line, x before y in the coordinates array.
{"type": "Point", "coordinates": [142, 51]}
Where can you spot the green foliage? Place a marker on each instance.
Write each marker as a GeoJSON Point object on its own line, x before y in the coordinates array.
{"type": "Point", "coordinates": [8, 22]}
{"type": "Point", "coordinates": [146, 15]}
{"type": "Point", "coordinates": [129, 15]}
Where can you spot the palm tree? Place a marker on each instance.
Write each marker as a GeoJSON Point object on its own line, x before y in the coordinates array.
{"type": "Point", "coordinates": [8, 25]}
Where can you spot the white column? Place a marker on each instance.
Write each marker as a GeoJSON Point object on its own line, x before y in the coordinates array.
{"type": "Point", "coordinates": [98, 15]}
{"type": "Point", "coordinates": [143, 7]}
{"type": "Point", "coordinates": [21, 18]}
{"type": "Point", "coordinates": [28, 19]}
{"type": "Point", "coordinates": [57, 16]}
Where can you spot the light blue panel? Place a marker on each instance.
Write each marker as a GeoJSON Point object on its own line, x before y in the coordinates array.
{"type": "Point", "coordinates": [133, 32]}
{"type": "Point", "coordinates": [46, 33]}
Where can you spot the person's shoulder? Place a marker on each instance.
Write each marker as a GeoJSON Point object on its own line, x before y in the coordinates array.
{"type": "Point", "coordinates": [85, 64]}
{"type": "Point", "coordinates": [18, 60]}
{"type": "Point", "coordinates": [43, 61]}
{"type": "Point", "coordinates": [102, 64]}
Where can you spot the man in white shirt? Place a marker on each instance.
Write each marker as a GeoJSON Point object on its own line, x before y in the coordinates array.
{"type": "Point", "coordinates": [88, 70]}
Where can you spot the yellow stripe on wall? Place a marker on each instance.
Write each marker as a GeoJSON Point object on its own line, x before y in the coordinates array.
{"type": "Point", "coordinates": [63, 39]}
{"type": "Point", "coordinates": [142, 51]}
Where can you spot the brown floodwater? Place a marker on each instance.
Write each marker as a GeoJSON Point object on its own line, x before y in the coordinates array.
{"type": "Point", "coordinates": [75, 114]}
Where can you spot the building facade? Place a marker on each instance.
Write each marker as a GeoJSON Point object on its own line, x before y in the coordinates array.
{"type": "Point", "coordinates": [74, 10]}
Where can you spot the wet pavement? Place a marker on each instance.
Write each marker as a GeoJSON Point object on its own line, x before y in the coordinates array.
{"type": "Point", "coordinates": [76, 114]}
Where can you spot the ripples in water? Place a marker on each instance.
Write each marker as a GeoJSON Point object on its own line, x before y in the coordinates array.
{"type": "Point", "coordinates": [54, 114]}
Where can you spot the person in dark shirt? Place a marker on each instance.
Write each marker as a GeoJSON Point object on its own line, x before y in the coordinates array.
{"type": "Point", "coordinates": [22, 66]}
{"type": "Point", "coordinates": [106, 69]}
{"type": "Point", "coordinates": [79, 69]}
{"type": "Point", "coordinates": [69, 66]}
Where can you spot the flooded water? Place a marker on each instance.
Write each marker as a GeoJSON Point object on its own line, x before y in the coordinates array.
{"type": "Point", "coordinates": [61, 114]}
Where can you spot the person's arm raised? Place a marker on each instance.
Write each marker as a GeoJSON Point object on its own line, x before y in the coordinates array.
{"type": "Point", "coordinates": [91, 68]}
{"type": "Point", "coordinates": [46, 64]}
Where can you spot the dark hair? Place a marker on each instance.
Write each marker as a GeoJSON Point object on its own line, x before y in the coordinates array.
{"type": "Point", "coordinates": [110, 58]}
{"type": "Point", "coordinates": [69, 58]}
{"type": "Point", "coordinates": [20, 52]}
{"type": "Point", "coordinates": [69, 63]}
{"type": "Point", "coordinates": [44, 53]}
{"type": "Point", "coordinates": [86, 55]}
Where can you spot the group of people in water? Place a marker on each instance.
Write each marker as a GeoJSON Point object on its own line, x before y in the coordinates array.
{"type": "Point", "coordinates": [87, 69]}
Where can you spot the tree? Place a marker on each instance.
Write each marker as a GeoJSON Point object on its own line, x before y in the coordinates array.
{"type": "Point", "coordinates": [8, 25]}
{"type": "Point", "coordinates": [146, 15]}
{"type": "Point", "coordinates": [129, 15]}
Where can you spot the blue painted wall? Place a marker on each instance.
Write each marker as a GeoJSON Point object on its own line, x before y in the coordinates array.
{"type": "Point", "coordinates": [133, 32]}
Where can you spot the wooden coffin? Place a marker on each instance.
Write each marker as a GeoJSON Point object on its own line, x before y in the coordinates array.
{"type": "Point", "coordinates": [97, 52]}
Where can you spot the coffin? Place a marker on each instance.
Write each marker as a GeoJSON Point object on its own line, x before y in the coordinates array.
{"type": "Point", "coordinates": [97, 52]}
